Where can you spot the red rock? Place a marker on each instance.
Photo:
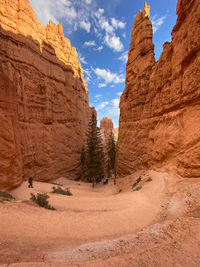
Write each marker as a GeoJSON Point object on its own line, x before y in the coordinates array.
{"type": "Point", "coordinates": [106, 126]}
{"type": "Point", "coordinates": [159, 109]}
{"type": "Point", "coordinates": [42, 134]}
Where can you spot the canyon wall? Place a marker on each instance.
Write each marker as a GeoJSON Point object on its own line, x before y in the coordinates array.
{"type": "Point", "coordinates": [44, 108]}
{"type": "Point", "coordinates": [106, 126]}
{"type": "Point", "coordinates": [159, 123]}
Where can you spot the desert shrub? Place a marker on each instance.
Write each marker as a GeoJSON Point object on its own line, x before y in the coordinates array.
{"type": "Point", "coordinates": [4, 196]}
{"type": "Point", "coordinates": [61, 191]}
{"type": "Point", "coordinates": [148, 180]}
{"type": "Point", "coordinates": [120, 190]}
{"type": "Point", "coordinates": [57, 184]}
{"type": "Point", "coordinates": [41, 200]}
{"type": "Point", "coordinates": [138, 188]}
{"type": "Point", "coordinates": [137, 182]}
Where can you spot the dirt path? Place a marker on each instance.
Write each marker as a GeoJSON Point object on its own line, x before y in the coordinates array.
{"type": "Point", "coordinates": [94, 224]}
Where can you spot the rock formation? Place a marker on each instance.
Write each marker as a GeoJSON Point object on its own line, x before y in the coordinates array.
{"type": "Point", "coordinates": [106, 126]}
{"type": "Point", "coordinates": [160, 107]}
{"type": "Point", "coordinates": [44, 107]}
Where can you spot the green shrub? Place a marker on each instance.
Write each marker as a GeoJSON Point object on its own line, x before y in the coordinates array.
{"type": "Point", "coordinates": [57, 184]}
{"type": "Point", "coordinates": [149, 180]}
{"type": "Point", "coordinates": [138, 188]}
{"type": "Point", "coordinates": [61, 191]}
{"type": "Point", "coordinates": [120, 190]}
{"type": "Point", "coordinates": [137, 182]}
{"type": "Point", "coordinates": [4, 196]}
{"type": "Point", "coordinates": [41, 200]}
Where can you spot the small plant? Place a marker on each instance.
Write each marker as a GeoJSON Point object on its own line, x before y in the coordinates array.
{"type": "Point", "coordinates": [138, 188]}
{"type": "Point", "coordinates": [41, 200]}
{"type": "Point", "coordinates": [61, 191]}
{"type": "Point", "coordinates": [4, 196]}
{"type": "Point", "coordinates": [137, 182]}
{"type": "Point", "coordinates": [57, 184]}
{"type": "Point", "coordinates": [120, 190]}
{"type": "Point", "coordinates": [148, 180]}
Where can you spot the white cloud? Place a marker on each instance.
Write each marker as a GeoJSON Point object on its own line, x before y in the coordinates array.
{"type": "Point", "coordinates": [117, 24]}
{"type": "Point", "coordinates": [82, 59]}
{"type": "Point", "coordinates": [115, 102]}
{"type": "Point", "coordinates": [97, 96]}
{"type": "Point", "coordinates": [108, 76]}
{"type": "Point", "coordinates": [119, 94]}
{"type": "Point", "coordinates": [77, 14]}
{"type": "Point", "coordinates": [157, 22]}
{"type": "Point", "coordinates": [87, 75]}
{"type": "Point", "coordinates": [102, 85]}
{"type": "Point", "coordinates": [47, 9]}
{"type": "Point", "coordinates": [114, 42]}
{"type": "Point", "coordinates": [89, 43]}
{"type": "Point", "coordinates": [106, 26]}
{"type": "Point", "coordinates": [85, 25]}
{"type": "Point", "coordinates": [88, 2]}
{"type": "Point", "coordinates": [99, 12]}
{"type": "Point", "coordinates": [124, 57]}
{"type": "Point", "coordinates": [99, 48]}
{"type": "Point", "coordinates": [102, 105]}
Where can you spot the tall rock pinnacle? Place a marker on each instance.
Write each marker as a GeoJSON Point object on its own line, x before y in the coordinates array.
{"type": "Point", "coordinates": [159, 124]}
{"type": "Point", "coordinates": [141, 50]}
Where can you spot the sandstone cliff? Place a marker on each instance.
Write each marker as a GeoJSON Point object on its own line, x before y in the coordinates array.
{"type": "Point", "coordinates": [160, 106]}
{"type": "Point", "coordinates": [44, 107]}
{"type": "Point", "coordinates": [106, 126]}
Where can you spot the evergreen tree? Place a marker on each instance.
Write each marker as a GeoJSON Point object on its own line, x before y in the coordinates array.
{"type": "Point", "coordinates": [94, 152]}
{"type": "Point", "coordinates": [83, 161]}
{"type": "Point", "coordinates": [112, 154]}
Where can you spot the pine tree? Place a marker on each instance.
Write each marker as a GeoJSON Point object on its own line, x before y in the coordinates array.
{"type": "Point", "coordinates": [112, 154]}
{"type": "Point", "coordinates": [83, 161]}
{"type": "Point", "coordinates": [94, 152]}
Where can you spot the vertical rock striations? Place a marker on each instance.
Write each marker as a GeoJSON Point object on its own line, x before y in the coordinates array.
{"type": "Point", "coordinates": [160, 106]}
{"type": "Point", "coordinates": [44, 107]}
{"type": "Point", "coordinates": [106, 126]}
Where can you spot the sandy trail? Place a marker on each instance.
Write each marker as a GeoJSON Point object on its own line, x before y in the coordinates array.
{"type": "Point", "coordinates": [156, 226]}
{"type": "Point", "coordinates": [91, 214]}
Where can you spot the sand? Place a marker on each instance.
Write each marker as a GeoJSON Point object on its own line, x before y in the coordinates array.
{"type": "Point", "coordinates": [94, 226]}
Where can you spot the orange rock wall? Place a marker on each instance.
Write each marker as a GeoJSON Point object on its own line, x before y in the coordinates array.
{"type": "Point", "coordinates": [106, 126]}
{"type": "Point", "coordinates": [44, 108]}
{"type": "Point", "coordinates": [160, 107]}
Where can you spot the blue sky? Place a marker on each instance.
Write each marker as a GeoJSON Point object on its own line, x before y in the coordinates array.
{"type": "Point", "coordinates": [101, 31]}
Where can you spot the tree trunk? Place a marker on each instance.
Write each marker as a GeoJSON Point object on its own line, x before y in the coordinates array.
{"type": "Point", "coordinates": [115, 177]}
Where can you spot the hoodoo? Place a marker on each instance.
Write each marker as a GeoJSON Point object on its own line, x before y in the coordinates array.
{"type": "Point", "coordinates": [159, 123]}
{"type": "Point", "coordinates": [44, 108]}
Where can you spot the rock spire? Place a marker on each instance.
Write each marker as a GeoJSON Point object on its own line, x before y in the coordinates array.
{"type": "Point", "coordinates": [159, 124]}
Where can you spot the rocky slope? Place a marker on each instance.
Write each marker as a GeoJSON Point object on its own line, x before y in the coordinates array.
{"type": "Point", "coordinates": [160, 106]}
{"type": "Point", "coordinates": [44, 107]}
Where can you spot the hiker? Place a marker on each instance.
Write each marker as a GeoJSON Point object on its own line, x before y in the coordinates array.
{"type": "Point", "coordinates": [30, 181]}
{"type": "Point", "coordinates": [105, 181]}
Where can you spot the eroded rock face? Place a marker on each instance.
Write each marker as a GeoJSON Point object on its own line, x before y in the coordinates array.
{"type": "Point", "coordinates": [160, 106]}
{"type": "Point", "coordinates": [46, 128]}
{"type": "Point", "coordinates": [107, 125]}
